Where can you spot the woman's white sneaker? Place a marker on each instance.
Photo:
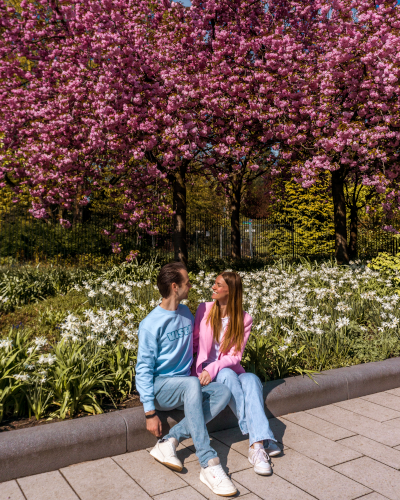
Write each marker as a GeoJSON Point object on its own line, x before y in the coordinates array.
{"type": "Point", "coordinates": [165, 452]}
{"type": "Point", "coordinates": [217, 480]}
{"type": "Point", "coordinates": [259, 458]}
{"type": "Point", "coordinates": [272, 449]}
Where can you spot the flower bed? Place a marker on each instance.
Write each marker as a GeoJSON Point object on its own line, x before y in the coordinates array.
{"type": "Point", "coordinates": [306, 318]}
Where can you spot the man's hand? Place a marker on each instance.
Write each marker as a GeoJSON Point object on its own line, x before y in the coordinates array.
{"type": "Point", "coordinates": [154, 424]}
{"type": "Point", "coordinates": [205, 378]}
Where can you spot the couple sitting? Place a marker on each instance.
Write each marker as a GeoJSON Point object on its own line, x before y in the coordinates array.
{"type": "Point", "coordinates": [172, 344]}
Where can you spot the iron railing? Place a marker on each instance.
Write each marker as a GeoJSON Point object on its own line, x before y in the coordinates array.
{"type": "Point", "coordinates": [26, 239]}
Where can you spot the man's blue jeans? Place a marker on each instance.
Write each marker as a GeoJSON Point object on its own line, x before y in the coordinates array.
{"type": "Point", "coordinates": [201, 404]}
{"type": "Point", "coordinates": [247, 404]}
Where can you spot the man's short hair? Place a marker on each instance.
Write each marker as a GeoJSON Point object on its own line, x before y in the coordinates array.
{"type": "Point", "coordinates": [170, 273]}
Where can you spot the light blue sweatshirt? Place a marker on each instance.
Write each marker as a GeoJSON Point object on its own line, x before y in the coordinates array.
{"type": "Point", "coordinates": [165, 349]}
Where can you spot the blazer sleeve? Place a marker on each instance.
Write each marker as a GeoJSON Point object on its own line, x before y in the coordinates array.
{"type": "Point", "coordinates": [232, 358]}
{"type": "Point", "coordinates": [196, 331]}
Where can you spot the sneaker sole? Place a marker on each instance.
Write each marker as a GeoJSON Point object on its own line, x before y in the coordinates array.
{"type": "Point", "coordinates": [219, 494]}
{"type": "Point", "coordinates": [174, 467]}
{"type": "Point", "coordinates": [263, 473]}
{"type": "Point", "coordinates": [274, 453]}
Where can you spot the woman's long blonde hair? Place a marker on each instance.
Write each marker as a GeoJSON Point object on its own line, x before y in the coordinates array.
{"type": "Point", "coordinates": [234, 334]}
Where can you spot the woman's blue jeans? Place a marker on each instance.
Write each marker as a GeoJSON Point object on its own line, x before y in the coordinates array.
{"type": "Point", "coordinates": [247, 404]}
{"type": "Point", "coordinates": [200, 404]}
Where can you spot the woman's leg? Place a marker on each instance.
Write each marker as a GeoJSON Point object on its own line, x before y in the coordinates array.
{"type": "Point", "coordinates": [256, 420]}
{"type": "Point", "coordinates": [229, 378]}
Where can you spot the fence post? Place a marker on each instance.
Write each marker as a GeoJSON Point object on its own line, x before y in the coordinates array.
{"type": "Point", "coordinates": [251, 238]}
{"type": "Point", "coordinates": [293, 239]}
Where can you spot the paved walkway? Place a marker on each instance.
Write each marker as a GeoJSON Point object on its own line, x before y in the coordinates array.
{"type": "Point", "coordinates": [343, 451]}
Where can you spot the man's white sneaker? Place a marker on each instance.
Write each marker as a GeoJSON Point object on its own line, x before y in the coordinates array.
{"type": "Point", "coordinates": [216, 479]}
{"type": "Point", "coordinates": [272, 449]}
{"type": "Point", "coordinates": [259, 458]}
{"type": "Point", "coordinates": [165, 452]}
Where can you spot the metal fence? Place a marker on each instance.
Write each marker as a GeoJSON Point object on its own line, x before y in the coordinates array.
{"type": "Point", "coordinates": [26, 239]}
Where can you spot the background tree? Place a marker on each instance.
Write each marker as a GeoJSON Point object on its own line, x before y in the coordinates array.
{"type": "Point", "coordinates": [351, 102]}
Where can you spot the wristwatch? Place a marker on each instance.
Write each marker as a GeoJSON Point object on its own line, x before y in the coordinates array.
{"type": "Point", "coordinates": [151, 416]}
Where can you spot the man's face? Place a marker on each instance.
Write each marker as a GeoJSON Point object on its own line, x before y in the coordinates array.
{"type": "Point", "coordinates": [182, 291]}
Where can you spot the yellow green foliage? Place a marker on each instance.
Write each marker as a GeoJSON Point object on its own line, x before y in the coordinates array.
{"type": "Point", "coordinates": [386, 262]}
{"type": "Point", "coordinates": [311, 211]}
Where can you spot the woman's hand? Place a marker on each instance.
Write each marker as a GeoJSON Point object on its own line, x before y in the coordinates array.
{"type": "Point", "coordinates": [205, 378]}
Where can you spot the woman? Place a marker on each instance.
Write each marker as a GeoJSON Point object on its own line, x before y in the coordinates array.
{"type": "Point", "coordinates": [221, 331]}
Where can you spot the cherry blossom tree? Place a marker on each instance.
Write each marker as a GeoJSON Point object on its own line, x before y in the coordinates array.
{"type": "Point", "coordinates": [243, 54]}
{"type": "Point", "coordinates": [88, 100]}
{"type": "Point", "coordinates": [351, 102]}
{"type": "Point", "coordinates": [138, 93]}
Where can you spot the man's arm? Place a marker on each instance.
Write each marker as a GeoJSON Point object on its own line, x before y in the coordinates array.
{"type": "Point", "coordinates": [147, 355]}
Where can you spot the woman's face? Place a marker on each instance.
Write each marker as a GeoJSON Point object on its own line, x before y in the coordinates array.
{"type": "Point", "coordinates": [220, 290]}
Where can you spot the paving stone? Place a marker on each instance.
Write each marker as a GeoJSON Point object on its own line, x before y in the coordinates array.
{"type": "Point", "coordinates": [317, 447]}
{"type": "Point", "coordinates": [47, 486]}
{"type": "Point", "coordinates": [394, 423]}
{"type": "Point", "coordinates": [234, 439]}
{"type": "Point", "coordinates": [381, 432]}
{"type": "Point", "coordinates": [317, 480]}
{"type": "Point", "coordinates": [368, 409]}
{"type": "Point", "coordinates": [10, 491]}
{"type": "Point", "coordinates": [102, 480]}
{"type": "Point", "coordinates": [319, 426]}
{"type": "Point", "coordinates": [231, 460]}
{"type": "Point", "coordinates": [269, 487]}
{"type": "Point", "coordinates": [395, 392]}
{"type": "Point", "coordinates": [372, 449]}
{"type": "Point", "coordinates": [153, 477]}
{"type": "Point", "coordinates": [373, 496]}
{"type": "Point", "coordinates": [191, 474]}
{"type": "Point", "coordinates": [377, 476]}
{"type": "Point", "coordinates": [278, 427]}
{"type": "Point", "coordinates": [188, 493]}
{"type": "Point", "coordinates": [384, 399]}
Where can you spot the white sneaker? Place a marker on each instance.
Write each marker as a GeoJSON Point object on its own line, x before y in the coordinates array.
{"type": "Point", "coordinates": [260, 459]}
{"type": "Point", "coordinates": [216, 479]}
{"type": "Point", "coordinates": [272, 449]}
{"type": "Point", "coordinates": [165, 452]}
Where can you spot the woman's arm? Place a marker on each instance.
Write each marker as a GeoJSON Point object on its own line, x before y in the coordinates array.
{"type": "Point", "coordinates": [232, 358]}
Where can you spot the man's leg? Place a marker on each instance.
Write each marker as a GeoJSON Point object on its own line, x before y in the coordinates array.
{"type": "Point", "coordinates": [215, 399]}
{"type": "Point", "coordinates": [172, 392]}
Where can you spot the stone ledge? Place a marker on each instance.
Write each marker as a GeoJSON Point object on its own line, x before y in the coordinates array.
{"type": "Point", "coordinates": [46, 448]}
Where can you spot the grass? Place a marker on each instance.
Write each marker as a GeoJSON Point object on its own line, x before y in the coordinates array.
{"type": "Point", "coordinates": [41, 318]}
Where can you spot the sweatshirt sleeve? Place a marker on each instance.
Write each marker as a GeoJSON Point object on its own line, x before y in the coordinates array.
{"type": "Point", "coordinates": [232, 358]}
{"type": "Point", "coordinates": [146, 359]}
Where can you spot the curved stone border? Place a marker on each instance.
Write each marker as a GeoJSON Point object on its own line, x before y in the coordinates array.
{"type": "Point", "coordinates": [49, 447]}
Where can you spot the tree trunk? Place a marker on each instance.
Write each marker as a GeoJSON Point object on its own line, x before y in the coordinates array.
{"type": "Point", "coordinates": [353, 232]}
{"type": "Point", "coordinates": [339, 208]}
{"type": "Point", "coordinates": [235, 222]}
{"type": "Point", "coordinates": [178, 181]}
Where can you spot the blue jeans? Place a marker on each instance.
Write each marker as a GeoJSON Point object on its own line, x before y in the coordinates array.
{"type": "Point", "coordinates": [200, 404]}
{"type": "Point", "coordinates": [247, 404]}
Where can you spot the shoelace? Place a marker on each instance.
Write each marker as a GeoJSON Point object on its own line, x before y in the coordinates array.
{"type": "Point", "coordinates": [260, 455]}
{"type": "Point", "coordinates": [218, 472]}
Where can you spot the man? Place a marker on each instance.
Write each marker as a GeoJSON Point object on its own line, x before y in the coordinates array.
{"type": "Point", "coordinates": [163, 381]}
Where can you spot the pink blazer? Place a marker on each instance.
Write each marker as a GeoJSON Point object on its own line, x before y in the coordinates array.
{"type": "Point", "coordinates": [203, 341]}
